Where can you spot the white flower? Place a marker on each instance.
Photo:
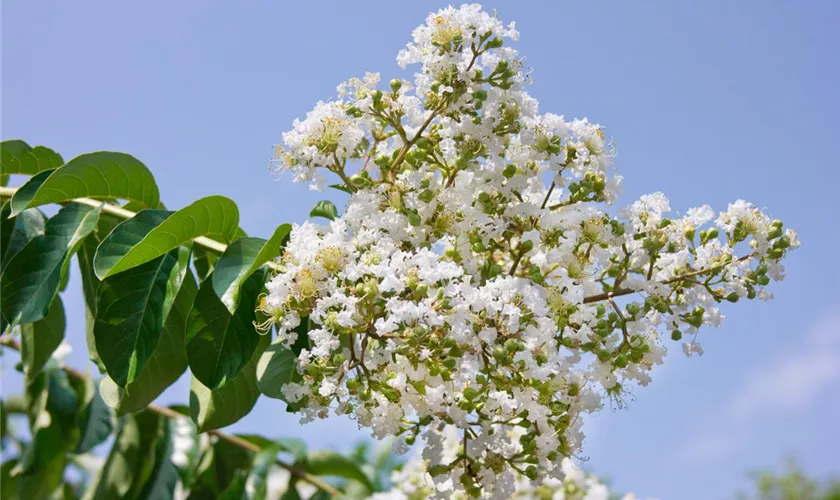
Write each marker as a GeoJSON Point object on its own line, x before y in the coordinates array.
{"type": "Point", "coordinates": [471, 282]}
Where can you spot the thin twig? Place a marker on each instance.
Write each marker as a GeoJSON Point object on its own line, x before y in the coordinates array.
{"type": "Point", "coordinates": [626, 291]}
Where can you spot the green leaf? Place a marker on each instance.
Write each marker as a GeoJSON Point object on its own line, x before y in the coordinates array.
{"type": "Point", "coordinates": [258, 478]}
{"type": "Point", "coordinates": [123, 237]}
{"type": "Point", "coordinates": [8, 482]}
{"type": "Point", "coordinates": [220, 344]}
{"type": "Point", "coordinates": [221, 467]}
{"type": "Point", "coordinates": [295, 446]}
{"type": "Point", "coordinates": [130, 312]}
{"type": "Point", "coordinates": [102, 174]}
{"type": "Point", "coordinates": [215, 408]}
{"type": "Point", "coordinates": [16, 232]}
{"type": "Point", "coordinates": [167, 363]}
{"type": "Point", "coordinates": [52, 409]}
{"type": "Point", "coordinates": [130, 245]}
{"type": "Point", "coordinates": [132, 458]}
{"type": "Point", "coordinates": [342, 187]}
{"type": "Point", "coordinates": [242, 259]}
{"type": "Point", "coordinates": [291, 493]}
{"type": "Point", "coordinates": [95, 420]}
{"type": "Point", "coordinates": [90, 283]}
{"type": "Point", "coordinates": [330, 463]}
{"type": "Point", "coordinates": [18, 157]}
{"type": "Point", "coordinates": [41, 338]}
{"type": "Point", "coordinates": [325, 209]}
{"type": "Point", "coordinates": [205, 262]}
{"type": "Point", "coordinates": [278, 366]}
{"type": "Point", "coordinates": [31, 278]}
{"type": "Point", "coordinates": [164, 478]}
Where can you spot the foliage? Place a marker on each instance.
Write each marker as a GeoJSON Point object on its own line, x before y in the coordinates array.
{"type": "Point", "coordinates": [791, 484]}
{"type": "Point", "coordinates": [149, 319]}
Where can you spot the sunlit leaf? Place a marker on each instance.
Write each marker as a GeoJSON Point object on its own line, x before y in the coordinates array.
{"type": "Point", "coordinates": [103, 174]}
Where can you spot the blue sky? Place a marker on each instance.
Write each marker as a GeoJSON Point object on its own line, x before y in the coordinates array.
{"type": "Point", "coordinates": [707, 101]}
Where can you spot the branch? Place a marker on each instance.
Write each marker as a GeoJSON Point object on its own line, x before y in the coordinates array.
{"type": "Point", "coordinates": [122, 213]}
{"type": "Point", "coordinates": [234, 440]}
{"type": "Point", "coordinates": [682, 277]}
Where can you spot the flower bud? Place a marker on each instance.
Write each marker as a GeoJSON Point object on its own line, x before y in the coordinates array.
{"type": "Point", "coordinates": [499, 354]}
{"type": "Point", "coordinates": [513, 345]}
{"type": "Point", "coordinates": [395, 84]}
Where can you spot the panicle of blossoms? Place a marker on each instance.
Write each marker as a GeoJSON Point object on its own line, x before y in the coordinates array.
{"type": "Point", "coordinates": [474, 280]}
{"type": "Point", "coordinates": [414, 482]}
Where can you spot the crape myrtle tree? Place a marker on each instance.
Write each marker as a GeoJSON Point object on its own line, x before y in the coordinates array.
{"type": "Point", "coordinates": [474, 296]}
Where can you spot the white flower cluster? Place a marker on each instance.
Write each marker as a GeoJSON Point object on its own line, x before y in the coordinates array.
{"type": "Point", "coordinates": [413, 482]}
{"type": "Point", "coordinates": [473, 280]}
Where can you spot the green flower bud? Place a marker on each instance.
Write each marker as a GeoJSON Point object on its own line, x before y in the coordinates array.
{"type": "Point", "coordinates": [494, 43]}
{"type": "Point", "coordinates": [395, 84]}
{"type": "Point", "coordinates": [499, 354]}
{"type": "Point", "coordinates": [513, 345]}
{"type": "Point", "coordinates": [776, 253]}
{"type": "Point", "coordinates": [509, 171]}
{"type": "Point", "coordinates": [484, 197]}
{"type": "Point", "coordinates": [676, 335]}
{"type": "Point", "coordinates": [531, 472]}
{"type": "Point", "coordinates": [495, 270]}
{"type": "Point", "coordinates": [352, 384]}
{"type": "Point", "coordinates": [526, 246]}
{"type": "Point", "coordinates": [478, 247]}
{"type": "Point", "coordinates": [338, 359]}
{"type": "Point", "coordinates": [763, 280]}
{"type": "Point", "coordinates": [732, 297]}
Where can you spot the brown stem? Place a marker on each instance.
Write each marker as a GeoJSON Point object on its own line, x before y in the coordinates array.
{"type": "Point", "coordinates": [626, 291]}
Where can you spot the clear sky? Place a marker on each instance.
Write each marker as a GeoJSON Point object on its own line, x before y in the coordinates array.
{"type": "Point", "coordinates": [707, 101]}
